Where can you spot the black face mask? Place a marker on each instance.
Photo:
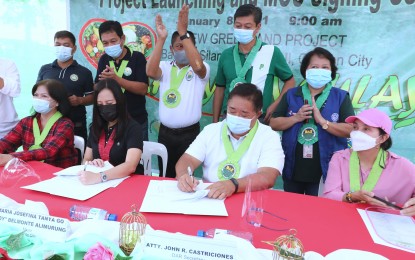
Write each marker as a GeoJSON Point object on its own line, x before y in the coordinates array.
{"type": "Point", "coordinates": [108, 112]}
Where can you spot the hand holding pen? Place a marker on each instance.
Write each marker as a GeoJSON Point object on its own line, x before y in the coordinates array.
{"type": "Point", "coordinates": [409, 208]}
{"type": "Point", "coordinates": [187, 182]}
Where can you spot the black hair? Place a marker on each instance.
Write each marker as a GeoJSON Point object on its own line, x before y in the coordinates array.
{"type": "Point", "coordinates": [176, 34]}
{"type": "Point", "coordinates": [322, 53]}
{"type": "Point", "coordinates": [110, 26]}
{"type": "Point", "coordinates": [388, 143]}
{"type": "Point", "coordinates": [250, 92]}
{"type": "Point", "coordinates": [57, 91]}
{"type": "Point", "coordinates": [98, 122]}
{"type": "Point", "coordinates": [247, 10]}
{"type": "Point", "coordinates": [65, 34]}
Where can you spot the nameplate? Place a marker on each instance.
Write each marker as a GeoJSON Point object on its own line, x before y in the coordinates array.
{"type": "Point", "coordinates": [163, 245]}
{"type": "Point", "coordinates": [45, 227]}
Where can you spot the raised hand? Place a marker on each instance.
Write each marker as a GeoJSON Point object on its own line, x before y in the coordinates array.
{"type": "Point", "coordinates": [183, 20]}
{"type": "Point", "coordinates": [160, 27]}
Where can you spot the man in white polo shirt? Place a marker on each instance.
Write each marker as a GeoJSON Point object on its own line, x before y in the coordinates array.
{"type": "Point", "coordinates": [9, 89]}
{"type": "Point", "coordinates": [234, 150]}
{"type": "Point", "coordinates": [182, 85]}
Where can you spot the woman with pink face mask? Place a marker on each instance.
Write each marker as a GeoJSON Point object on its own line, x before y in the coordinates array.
{"type": "Point", "coordinates": [369, 169]}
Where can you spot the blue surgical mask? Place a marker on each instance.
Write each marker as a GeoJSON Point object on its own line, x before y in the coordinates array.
{"type": "Point", "coordinates": [63, 53]}
{"type": "Point", "coordinates": [41, 106]}
{"type": "Point", "coordinates": [318, 78]}
{"type": "Point", "coordinates": [238, 125]}
{"type": "Point", "coordinates": [180, 57]}
{"type": "Point", "coordinates": [243, 36]}
{"type": "Point", "coordinates": [114, 51]}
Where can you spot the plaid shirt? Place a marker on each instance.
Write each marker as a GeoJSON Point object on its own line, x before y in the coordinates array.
{"type": "Point", "coordinates": [57, 148]}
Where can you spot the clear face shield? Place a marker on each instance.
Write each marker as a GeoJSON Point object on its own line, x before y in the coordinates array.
{"type": "Point", "coordinates": [15, 171]}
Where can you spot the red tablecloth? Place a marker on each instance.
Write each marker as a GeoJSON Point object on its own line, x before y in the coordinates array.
{"type": "Point", "coordinates": [322, 225]}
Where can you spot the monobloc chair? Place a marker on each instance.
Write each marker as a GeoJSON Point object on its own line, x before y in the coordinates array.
{"type": "Point", "coordinates": [79, 143]}
{"type": "Point", "coordinates": [321, 187]}
{"type": "Point", "coordinates": [153, 148]}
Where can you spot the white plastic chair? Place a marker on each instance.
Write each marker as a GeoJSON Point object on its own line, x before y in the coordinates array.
{"type": "Point", "coordinates": [321, 187]}
{"type": "Point", "coordinates": [153, 148]}
{"type": "Point", "coordinates": [79, 143]}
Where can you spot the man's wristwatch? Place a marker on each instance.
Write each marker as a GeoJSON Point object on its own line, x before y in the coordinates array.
{"type": "Point", "coordinates": [103, 176]}
{"type": "Point", "coordinates": [236, 183]}
{"type": "Point", "coordinates": [326, 125]}
{"type": "Point", "coordinates": [185, 36]}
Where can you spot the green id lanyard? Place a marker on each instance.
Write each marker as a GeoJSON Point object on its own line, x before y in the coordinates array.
{"type": "Point", "coordinates": [121, 70]}
{"type": "Point", "coordinates": [40, 137]}
{"type": "Point", "coordinates": [374, 175]}
{"type": "Point", "coordinates": [230, 167]}
{"type": "Point", "coordinates": [172, 97]}
{"type": "Point", "coordinates": [242, 70]}
{"type": "Point", "coordinates": [308, 133]}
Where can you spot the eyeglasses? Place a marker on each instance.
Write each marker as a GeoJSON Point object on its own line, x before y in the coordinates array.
{"type": "Point", "coordinates": [257, 213]}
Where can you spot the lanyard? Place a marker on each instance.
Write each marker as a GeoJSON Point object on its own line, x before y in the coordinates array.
{"type": "Point", "coordinates": [121, 69]}
{"type": "Point", "coordinates": [230, 167]}
{"type": "Point", "coordinates": [172, 97]}
{"type": "Point", "coordinates": [320, 100]}
{"type": "Point", "coordinates": [242, 70]}
{"type": "Point", "coordinates": [374, 174]}
{"type": "Point", "coordinates": [105, 148]}
{"type": "Point", "coordinates": [40, 137]}
{"type": "Point", "coordinates": [308, 134]}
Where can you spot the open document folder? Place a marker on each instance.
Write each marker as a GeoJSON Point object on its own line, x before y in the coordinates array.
{"type": "Point", "coordinates": [165, 197]}
{"type": "Point", "coordinates": [67, 184]}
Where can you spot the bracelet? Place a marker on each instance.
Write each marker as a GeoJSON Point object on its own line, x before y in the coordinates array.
{"type": "Point", "coordinates": [349, 197]}
{"type": "Point", "coordinates": [235, 182]}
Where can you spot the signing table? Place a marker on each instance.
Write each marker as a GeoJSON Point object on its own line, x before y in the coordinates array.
{"type": "Point", "coordinates": [322, 225]}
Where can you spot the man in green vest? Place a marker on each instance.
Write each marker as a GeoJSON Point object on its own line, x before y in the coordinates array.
{"type": "Point", "coordinates": [250, 61]}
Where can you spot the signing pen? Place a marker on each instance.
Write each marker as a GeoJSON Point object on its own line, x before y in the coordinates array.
{"type": "Point", "coordinates": [388, 203]}
{"type": "Point", "coordinates": [189, 171]}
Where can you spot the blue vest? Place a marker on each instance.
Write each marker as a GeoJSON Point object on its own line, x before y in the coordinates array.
{"type": "Point", "coordinates": [328, 143]}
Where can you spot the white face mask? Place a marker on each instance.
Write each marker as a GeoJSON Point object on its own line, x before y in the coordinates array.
{"type": "Point", "coordinates": [362, 141]}
{"type": "Point", "coordinates": [243, 36]}
{"type": "Point", "coordinates": [318, 78]}
{"type": "Point", "coordinates": [41, 106]}
{"type": "Point", "coordinates": [63, 53]}
{"type": "Point", "coordinates": [238, 125]}
{"type": "Point", "coordinates": [114, 50]}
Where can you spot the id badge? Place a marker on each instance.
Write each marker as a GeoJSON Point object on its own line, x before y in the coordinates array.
{"type": "Point", "coordinates": [308, 151]}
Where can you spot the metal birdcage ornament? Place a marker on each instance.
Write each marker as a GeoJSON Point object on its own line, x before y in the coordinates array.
{"type": "Point", "coordinates": [287, 247]}
{"type": "Point", "coordinates": [132, 228]}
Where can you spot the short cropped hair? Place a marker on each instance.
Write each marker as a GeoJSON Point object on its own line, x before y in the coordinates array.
{"type": "Point", "coordinates": [176, 34]}
{"type": "Point", "coordinates": [250, 92]}
{"type": "Point", "coordinates": [57, 91]}
{"type": "Point", "coordinates": [247, 10]}
{"type": "Point", "coordinates": [322, 53]}
{"type": "Point", "coordinates": [111, 26]}
{"type": "Point", "coordinates": [65, 34]}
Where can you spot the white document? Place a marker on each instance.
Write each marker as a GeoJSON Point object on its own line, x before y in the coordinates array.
{"type": "Point", "coordinates": [165, 197]}
{"type": "Point", "coordinates": [71, 187]}
{"type": "Point", "coordinates": [390, 230]}
{"type": "Point", "coordinates": [344, 254]}
{"type": "Point", "coordinates": [73, 171]}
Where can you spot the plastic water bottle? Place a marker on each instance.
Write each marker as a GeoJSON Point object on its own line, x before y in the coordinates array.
{"type": "Point", "coordinates": [78, 212]}
{"type": "Point", "coordinates": [212, 232]}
